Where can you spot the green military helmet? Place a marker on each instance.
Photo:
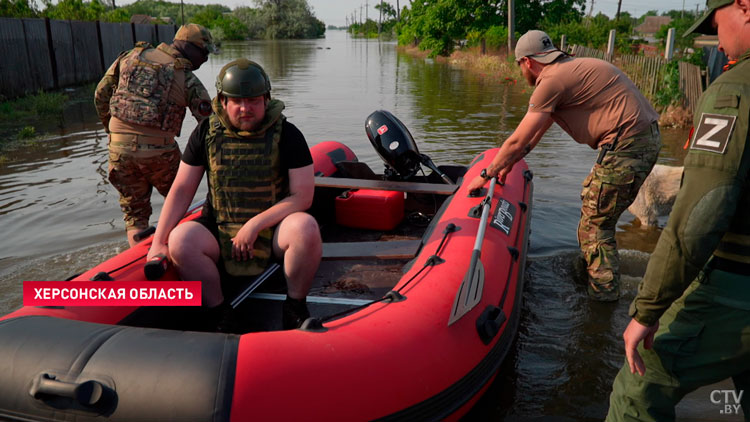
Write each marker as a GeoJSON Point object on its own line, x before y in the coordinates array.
{"type": "Point", "coordinates": [242, 78]}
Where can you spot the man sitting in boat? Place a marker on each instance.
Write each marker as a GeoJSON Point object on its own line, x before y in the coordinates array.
{"type": "Point", "coordinates": [260, 180]}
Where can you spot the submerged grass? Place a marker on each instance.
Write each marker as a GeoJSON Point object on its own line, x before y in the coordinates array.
{"type": "Point", "coordinates": [30, 117]}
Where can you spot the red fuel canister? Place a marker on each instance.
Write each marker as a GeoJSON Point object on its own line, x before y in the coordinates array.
{"type": "Point", "coordinates": [370, 209]}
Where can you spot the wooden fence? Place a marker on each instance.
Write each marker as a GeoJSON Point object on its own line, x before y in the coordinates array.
{"type": "Point", "coordinates": [645, 72]}
{"type": "Point", "coordinates": [42, 54]}
{"type": "Point", "coordinates": [691, 84]}
{"type": "Point", "coordinates": [648, 73]}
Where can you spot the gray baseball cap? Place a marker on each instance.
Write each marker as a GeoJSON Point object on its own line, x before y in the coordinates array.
{"type": "Point", "coordinates": [537, 45]}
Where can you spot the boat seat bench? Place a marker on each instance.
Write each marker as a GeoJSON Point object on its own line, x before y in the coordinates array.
{"type": "Point", "coordinates": [412, 187]}
{"type": "Point", "coordinates": [393, 249]}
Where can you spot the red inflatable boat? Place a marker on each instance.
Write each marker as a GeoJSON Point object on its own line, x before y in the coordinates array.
{"type": "Point", "coordinates": [410, 320]}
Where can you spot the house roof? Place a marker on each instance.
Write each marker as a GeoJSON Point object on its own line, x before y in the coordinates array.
{"type": "Point", "coordinates": [652, 24]}
{"type": "Point", "coordinates": [140, 19]}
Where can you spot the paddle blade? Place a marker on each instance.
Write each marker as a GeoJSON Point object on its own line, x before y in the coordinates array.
{"type": "Point", "coordinates": [470, 292]}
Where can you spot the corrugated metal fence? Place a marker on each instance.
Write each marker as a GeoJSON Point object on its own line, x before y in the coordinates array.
{"type": "Point", "coordinates": [42, 54]}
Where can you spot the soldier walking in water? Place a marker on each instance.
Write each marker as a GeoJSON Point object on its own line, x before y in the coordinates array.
{"type": "Point", "coordinates": [141, 101]}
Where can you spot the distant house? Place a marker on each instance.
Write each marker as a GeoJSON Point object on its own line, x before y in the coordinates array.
{"type": "Point", "coordinates": [648, 29]}
{"type": "Point", "coordinates": [141, 19]}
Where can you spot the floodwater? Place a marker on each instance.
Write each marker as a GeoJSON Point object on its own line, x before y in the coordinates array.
{"type": "Point", "coordinates": [60, 216]}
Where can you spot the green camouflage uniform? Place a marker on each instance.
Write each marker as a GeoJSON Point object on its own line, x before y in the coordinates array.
{"type": "Point", "coordinates": [609, 190]}
{"type": "Point", "coordinates": [697, 284]}
{"type": "Point", "coordinates": [244, 179]}
{"type": "Point", "coordinates": [139, 162]}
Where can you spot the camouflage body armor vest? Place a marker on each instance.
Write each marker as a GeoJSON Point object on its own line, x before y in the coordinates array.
{"type": "Point", "coordinates": [142, 94]}
{"type": "Point", "coordinates": [735, 244]}
{"type": "Point", "coordinates": [244, 179]}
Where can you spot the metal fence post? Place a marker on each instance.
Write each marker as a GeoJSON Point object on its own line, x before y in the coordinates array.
{"type": "Point", "coordinates": [611, 44]}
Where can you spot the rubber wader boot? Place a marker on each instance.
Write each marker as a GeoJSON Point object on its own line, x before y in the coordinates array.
{"type": "Point", "coordinates": [293, 313]}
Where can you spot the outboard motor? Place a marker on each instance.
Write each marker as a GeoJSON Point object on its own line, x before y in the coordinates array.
{"type": "Point", "coordinates": [396, 146]}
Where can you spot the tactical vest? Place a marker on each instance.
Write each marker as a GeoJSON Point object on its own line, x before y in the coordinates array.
{"type": "Point", "coordinates": [732, 99]}
{"type": "Point", "coordinates": [142, 94]}
{"type": "Point", "coordinates": [245, 178]}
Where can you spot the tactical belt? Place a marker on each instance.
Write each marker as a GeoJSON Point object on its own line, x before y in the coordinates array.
{"type": "Point", "coordinates": [729, 266]}
{"type": "Point", "coordinates": [652, 130]}
{"type": "Point", "coordinates": [131, 138]}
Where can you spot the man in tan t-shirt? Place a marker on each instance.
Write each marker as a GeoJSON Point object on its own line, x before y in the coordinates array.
{"type": "Point", "coordinates": [597, 105]}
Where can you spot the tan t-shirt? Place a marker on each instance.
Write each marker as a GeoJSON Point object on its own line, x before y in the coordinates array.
{"type": "Point", "coordinates": [590, 99]}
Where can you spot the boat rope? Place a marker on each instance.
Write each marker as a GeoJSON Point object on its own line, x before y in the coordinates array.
{"type": "Point", "coordinates": [450, 228]}
{"type": "Point", "coordinates": [528, 176]}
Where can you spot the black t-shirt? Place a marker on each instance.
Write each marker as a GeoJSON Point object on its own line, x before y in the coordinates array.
{"type": "Point", "coordinates": [293, 153]}
{"type": "Point", "coordinates": [293, 150]}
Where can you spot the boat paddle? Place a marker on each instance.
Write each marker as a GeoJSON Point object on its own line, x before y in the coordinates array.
{"type": "Point", "coordinates": [265, 275]}
{"type": "Point", "coordinates": [470, 292]}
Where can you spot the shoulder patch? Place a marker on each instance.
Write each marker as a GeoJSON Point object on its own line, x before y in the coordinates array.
{"type": "Point", "coordinates": [713, 132]}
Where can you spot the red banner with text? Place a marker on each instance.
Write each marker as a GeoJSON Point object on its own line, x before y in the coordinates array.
{"type": "Point", "coordinates": [97, 293]}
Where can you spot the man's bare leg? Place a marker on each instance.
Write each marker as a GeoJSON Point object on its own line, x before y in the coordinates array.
{"type": "Point", "coordinates": [195, 252]}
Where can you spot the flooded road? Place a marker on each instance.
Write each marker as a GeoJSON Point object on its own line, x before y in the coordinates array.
{"type": "Point", "coordinates": [60, 216]}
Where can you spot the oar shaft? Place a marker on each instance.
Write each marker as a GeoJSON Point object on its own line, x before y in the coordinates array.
{"type": "Point", "coordinates": [485, 214]}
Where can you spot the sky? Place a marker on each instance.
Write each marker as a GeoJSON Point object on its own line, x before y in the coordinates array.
{"type": "Point", "coordinates": [335, 12]}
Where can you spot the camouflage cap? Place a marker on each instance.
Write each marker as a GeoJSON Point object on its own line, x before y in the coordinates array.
{"type": "Point", "coordinates": [704, 25]}
{"type": "Point", "coordinates": [197, 35]}
{"type": "Point", "coordinates": [537, 45]}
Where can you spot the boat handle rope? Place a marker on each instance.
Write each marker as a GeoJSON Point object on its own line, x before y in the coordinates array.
{"type": "Point", "coordinates": [393, 295]}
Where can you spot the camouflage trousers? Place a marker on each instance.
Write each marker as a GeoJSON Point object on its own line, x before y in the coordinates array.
{"type": "Point", "coordinates": [703, 338]}
{"type": "Point", "coordinates": [134, 170]}
{"type": "Point", "coordinates": [609, 190]}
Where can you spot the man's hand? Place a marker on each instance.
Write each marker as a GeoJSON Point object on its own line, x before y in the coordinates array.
{"type": "Point", "coordinates": [243, 242]}
{"type": "Point", "coordinates": [477, 183]}
{"type": "Point", "coordinates": [156, 249]}
{"type": "Point", "coordinates": [633, 335]}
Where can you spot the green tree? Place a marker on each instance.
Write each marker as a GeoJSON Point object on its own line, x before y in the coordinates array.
{"type": "Point", "coordinates": [17, 9]}
{"type": "Point", "coordinates": [681, 21]}
{"type": "Point", "coordinates": [437, 24]}
{"type": "Point", "coordinates": [73, 10]}
{"type": "Point", "coordinates": [289, 19]}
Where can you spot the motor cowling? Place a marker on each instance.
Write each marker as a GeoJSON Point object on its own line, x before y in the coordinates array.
{"type": "Point", "coordinates": [393, 142]}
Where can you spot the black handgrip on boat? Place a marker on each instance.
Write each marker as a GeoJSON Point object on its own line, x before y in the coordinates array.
{"type": "Point", "coordinates": [144, 233]}
{"type": "Point", "coordinates": [156, 267]}
{"type": "Point", "coordinates": [87, 393]}
{"type": "Point", "coordinates": [489, 323]}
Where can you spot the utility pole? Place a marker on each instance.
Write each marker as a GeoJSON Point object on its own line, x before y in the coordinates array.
{"type": "Point", "coordinates": [511, 24]}
{"type": "Point", "coordinates": [380, 16]}
{"type": "Point", "coordinates": [360, 14]}
{"type": "Point", "coordinates": [398, 12]}
{"type": "Point", "coordinates": [182, 9]}
{"type": "Point", "coordinates": [592, 8]}
{"type": "Point", "coordinates": [682, 14]}
{"type": "Point", "coordinates": [619, 4]}
{"type": "Point", "coordinates": [367, 11]}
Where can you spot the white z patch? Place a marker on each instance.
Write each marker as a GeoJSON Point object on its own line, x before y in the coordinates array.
{"type": "Point", "coordinates": [713, 133]}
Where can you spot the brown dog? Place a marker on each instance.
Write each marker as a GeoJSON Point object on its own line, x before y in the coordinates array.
{"type": "Point", "coordinates": [657, 194]}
